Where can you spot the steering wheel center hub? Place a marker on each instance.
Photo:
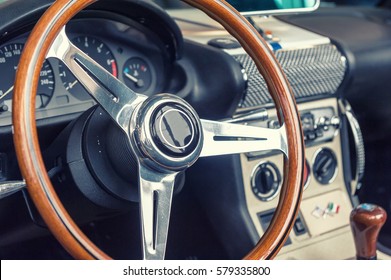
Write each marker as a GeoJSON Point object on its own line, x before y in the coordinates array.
{"type": "Point", "coordinates": [174, 130]}
{"type": "Point", "coordinates": [168, 132]}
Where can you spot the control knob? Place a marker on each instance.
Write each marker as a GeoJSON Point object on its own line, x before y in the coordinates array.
{"type": "Point", "coordinates": [266, 181]}
{"type": "Point", "coordinates": [325, 166]}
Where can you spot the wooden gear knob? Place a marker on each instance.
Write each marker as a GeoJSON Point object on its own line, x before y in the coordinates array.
{"type": "Point", "coordinates": [366, 221]}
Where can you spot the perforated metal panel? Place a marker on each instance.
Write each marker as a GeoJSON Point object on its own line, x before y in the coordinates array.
{"type": "Point", "coordinates": [311, 72]}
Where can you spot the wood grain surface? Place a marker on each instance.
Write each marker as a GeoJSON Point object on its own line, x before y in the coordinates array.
{"type": "Point", "coordinates": [366, 221]}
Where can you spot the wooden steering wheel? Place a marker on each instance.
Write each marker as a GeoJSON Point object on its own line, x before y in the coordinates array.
{"type": "Point", "coordinates": [145, 121]}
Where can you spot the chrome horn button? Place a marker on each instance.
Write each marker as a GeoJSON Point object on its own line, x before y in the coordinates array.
{"type": "Point", "coordinates": [167, 132]}
{"type": "Point", "coordinates": [174, 130]}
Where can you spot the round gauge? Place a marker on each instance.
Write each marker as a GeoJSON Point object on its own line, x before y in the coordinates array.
{"type": "Point", "coordinates": [99, 52]}
{"type": "Point", "coordinates": [9, 60]}
{"type": "Point", "coordinates": [137, 74]}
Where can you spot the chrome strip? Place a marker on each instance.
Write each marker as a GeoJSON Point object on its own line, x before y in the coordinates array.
{"type": "Point", "coordinates": [347, 110]}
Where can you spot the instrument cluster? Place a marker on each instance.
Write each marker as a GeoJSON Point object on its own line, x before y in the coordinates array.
{"type": "Point", "coordinates": [124, 51]}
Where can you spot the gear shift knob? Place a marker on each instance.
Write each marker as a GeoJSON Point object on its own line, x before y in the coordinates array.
{"type": "Point", "coordinates": [366, 221]}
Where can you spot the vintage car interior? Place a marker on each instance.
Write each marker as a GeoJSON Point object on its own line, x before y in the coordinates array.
{"type": "Point", "coordinates": [162, 139]}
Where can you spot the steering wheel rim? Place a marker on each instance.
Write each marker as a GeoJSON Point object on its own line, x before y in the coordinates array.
{"type": "Point", "coordinates": [30, 158]}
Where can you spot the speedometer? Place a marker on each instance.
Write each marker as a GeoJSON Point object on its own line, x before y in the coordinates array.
{"type": "Point", "coordinates": [9, 60]}
{"type": "Point", "coordinates": [99, 52]}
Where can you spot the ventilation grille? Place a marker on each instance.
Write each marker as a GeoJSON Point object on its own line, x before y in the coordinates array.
{"type": "Point", "coordinates": [311, 72]}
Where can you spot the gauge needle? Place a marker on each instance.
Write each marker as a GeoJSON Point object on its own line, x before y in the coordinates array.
{"type": "Point", "coordinates": [130, 77]}
{"type": "Point", "coordinates": [7, 92]}
{"type": "Point", "coordinates": [70, 86]}
{"type": "Point", "coordinates": [138, 82]}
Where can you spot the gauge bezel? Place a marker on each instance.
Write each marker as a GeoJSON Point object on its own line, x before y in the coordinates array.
{"type": "Point", "coordinates": [132, 86]}
{"type": "Point", "coordinates": [43, 89]}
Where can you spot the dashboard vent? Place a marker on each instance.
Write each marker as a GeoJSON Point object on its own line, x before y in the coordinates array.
{"type": "Point", "coordinates": [311, 72]}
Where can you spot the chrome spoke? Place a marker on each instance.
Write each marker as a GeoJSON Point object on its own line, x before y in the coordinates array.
{"type": "Point", "coordinates": [114, 96]}
{"type": "Point", "coordinates": [9, 188]}
{"type": "Point", "coordinates": [156, 191]}
{"type": "Point", "coordinates": [222, 138]}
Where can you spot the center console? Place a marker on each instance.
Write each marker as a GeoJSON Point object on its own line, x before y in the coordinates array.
{"type": "Point", "coordinates": [324, 215]}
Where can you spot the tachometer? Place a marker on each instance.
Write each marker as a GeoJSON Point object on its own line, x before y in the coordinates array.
{"type": "Point", "coordinates": [9, 60]}
{"type": "Point", "coordinates": [98, 51]}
